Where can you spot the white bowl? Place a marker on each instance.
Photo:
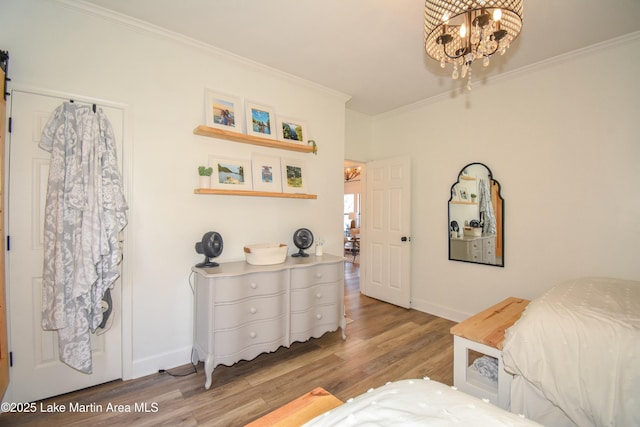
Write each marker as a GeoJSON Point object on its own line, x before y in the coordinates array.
{"type": "Point", "coordinates": [266, 253]}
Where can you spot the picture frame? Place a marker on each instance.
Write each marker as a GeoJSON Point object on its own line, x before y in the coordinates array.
{"type": "Point", "coordinates": [223, 111]}
{"type": "Point", "coordinates": [231, 174]}
{"type": "Point", "coordinates": [464, 195]}
{"type": "Point", "coordinates": [261, 120]}
{"type": "Point", "coordinates": [267, 175]}
{"type": "Point", "coordinates": [454, 194]}
{"type": "Point", "coordinates": [292, 130]}
{"type": "Point", "coordinates": [294, 176]}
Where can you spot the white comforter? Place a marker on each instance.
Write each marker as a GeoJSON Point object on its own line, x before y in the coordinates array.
{"type": "Point", "coordinates": [418, 402]}
{"type": "Point", "coordinates": [579, 344]}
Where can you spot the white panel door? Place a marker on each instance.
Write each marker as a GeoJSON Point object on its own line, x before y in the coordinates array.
{"type": "Point", "coordinates": [386, 242]}
{"type": "Point", "coordinates": [37, 372]}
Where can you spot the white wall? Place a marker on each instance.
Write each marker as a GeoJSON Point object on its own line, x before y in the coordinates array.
{"type": "Point", "coordinates": [56, 47]}
{"type": "Point", "coordinates": [562, 140]}
{"type": "Point", "coordinates": [358, 135]}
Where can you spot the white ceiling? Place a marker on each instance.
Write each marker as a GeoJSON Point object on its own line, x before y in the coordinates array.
{"type": "Point", "coordinates": [373, 50]}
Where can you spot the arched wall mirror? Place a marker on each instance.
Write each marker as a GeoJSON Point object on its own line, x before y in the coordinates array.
{"type": "Point", "coordinates": [476, 217]}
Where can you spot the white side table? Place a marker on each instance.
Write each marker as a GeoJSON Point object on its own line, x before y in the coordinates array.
{"type": "Point", "coordinates": [484, 333]}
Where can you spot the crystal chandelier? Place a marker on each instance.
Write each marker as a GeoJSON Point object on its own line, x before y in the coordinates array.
{"type": "Point", "coordinates": [462, 31]}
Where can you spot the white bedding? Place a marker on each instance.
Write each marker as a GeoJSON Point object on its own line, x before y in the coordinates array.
{"type": "Point", "coordinates": [579, 346]}
{"type": "Point", "coordinates": [418, 402]}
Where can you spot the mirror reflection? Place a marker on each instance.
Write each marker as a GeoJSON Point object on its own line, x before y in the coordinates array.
{"type": "Point", "coordinates": [476, 215]}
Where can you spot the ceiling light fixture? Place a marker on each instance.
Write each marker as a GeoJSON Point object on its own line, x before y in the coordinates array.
{"type": "Point", "coordinates": [460, 32]}
{"type": "Point", "coordinates": [351, 174]}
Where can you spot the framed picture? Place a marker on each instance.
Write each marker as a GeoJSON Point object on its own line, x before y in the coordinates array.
{"type": "Point", "coordinates": [294, 176]}
{"type": "Point", "coordinates": [266, 173]}
{"type": "Point", "coordinates": [292, 130]}
{"type": "Point", "coordinates": [230, 174]}
{"type": "Point", "coordinates": [261, 120]}
{"type": "Point", "coordinates": [454, 194]}
{"type": "Point", "coordinates": [224, 111]}
{"type": "Point", "coordinates": [464, 196]}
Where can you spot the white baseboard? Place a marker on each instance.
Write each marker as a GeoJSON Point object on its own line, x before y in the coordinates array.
{"type": "Point", "coordinates": [169, 360]}
{"type": "Point", "coordinates": [438, 310]}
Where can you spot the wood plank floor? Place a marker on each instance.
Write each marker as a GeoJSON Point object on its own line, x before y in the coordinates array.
{"type": "Point", "coordinates": [384, 343]}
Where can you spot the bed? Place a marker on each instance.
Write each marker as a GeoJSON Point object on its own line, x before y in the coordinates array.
{"type": "Point", "coordinates": [575, 354]}
{"type": "Point", "coordinates": [418, 402]}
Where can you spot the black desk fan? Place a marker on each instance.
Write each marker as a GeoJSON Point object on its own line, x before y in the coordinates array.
{"type": "Point", "coordinates": [211, 246]}
{"type": "Point", "coordinates": [303, 239]}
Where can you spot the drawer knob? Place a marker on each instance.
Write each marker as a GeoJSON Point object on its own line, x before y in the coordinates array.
{"type": "Point", "coordinates": [253, 335]}
{"type": "Point", "coordinates": [253, 310]}
{"type": "Point", "coordinates": [318, 275]}
{"type": "Point", "coordinates": [254, 285]}
{"type": "Point", "coordinates": [318, 295]}
{"type": "Point", "coordinates": [318, 316]}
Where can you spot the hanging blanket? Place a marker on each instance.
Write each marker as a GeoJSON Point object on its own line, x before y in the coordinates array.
{"type": "Point", "coordinates": [85, 212]}
{"type": "Point", "coordinates": [486, 208]}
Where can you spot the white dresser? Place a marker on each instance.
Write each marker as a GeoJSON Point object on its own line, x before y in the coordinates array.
{"type": "Point", "coordinates": [475, 249]}
{"type": "Point", "coordinates": [243, 310]}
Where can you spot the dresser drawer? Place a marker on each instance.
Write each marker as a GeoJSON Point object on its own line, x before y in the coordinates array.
{"type": "Point", "coordinates": [234, 288]}
{"type": "Point", "coordinates": [490, 241]}
{"type": "Point", "coordinates": [475, 255]}
{"type": "Point", "coordinates": [475, 245]}
{"type": "Point", "coordinates": [305, 277]}
{"type": "Point", "coordinates": [227, 316]}
{"type": "Point", "coordinates": [234, 341]}
{"type": "Point", "coordinates": [304, 299]}
{"type": "Point", "coordinates": [307, 320]}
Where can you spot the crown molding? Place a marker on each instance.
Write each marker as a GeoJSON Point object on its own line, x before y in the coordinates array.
{"type": "Point", "coordinates": [141, 26]}
{"type": "Point", "coordinates": [545, 63]}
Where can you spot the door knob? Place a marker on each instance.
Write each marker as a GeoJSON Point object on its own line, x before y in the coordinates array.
{"type": "Point", "coordinates": [405, 239]}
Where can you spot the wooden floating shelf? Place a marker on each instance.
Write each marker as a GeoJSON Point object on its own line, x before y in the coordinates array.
{"type": "Point", "coordinates": [254, 193]}
{"type": "Point", "coordinates": [455, 202]}
{"type": "Point", "coordinates": [250, 139]}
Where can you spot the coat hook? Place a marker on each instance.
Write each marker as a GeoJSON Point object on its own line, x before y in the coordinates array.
{"type": "Point", "coordinates": [94, 108]}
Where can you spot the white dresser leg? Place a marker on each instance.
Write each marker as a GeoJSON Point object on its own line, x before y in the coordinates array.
{"type": "Point", "coordinates": [208, 371]}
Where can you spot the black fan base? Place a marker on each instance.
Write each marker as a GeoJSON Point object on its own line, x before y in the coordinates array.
{"type": "Point", "coordinates": [300, 253]}
{"type": "Point", "coordinates": [207, 263]}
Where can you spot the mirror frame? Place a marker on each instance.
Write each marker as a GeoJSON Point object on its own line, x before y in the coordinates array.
{"type": "Point", "coordinates": [491, 179]}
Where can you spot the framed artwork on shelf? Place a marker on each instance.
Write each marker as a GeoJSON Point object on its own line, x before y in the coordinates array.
{"type": "Point", "coordinates": [266, 173]}
{"type": "Point", "coordinates": [294, 176]}
{"type": "Point", "coordinates": [292, 130]}
{"type": "Point", "coordinates": [230, 174]}
{"type": "Point", "coordinates": [464, 196]}
{"type": "Point", "coordinates": [261, 120]}
{"type": "Point", "coordinates": [224, 111]}
{"type": "Point", "coordinates": [454, 194]}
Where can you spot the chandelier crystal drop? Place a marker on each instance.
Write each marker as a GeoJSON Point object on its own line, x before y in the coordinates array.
{"type": "Point", "coordinates": [459, 32]}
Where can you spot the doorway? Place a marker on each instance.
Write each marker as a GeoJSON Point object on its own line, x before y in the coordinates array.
{"type": "Point", "coordinates": [353, 188]}
{"type": "Point", "coordinates": [37, 372]}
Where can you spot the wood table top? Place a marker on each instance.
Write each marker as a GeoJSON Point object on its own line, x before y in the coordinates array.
{"type": "Point", "coordinates": [299, 411]}
{"type": "Point", "coordinates": [488, 326]}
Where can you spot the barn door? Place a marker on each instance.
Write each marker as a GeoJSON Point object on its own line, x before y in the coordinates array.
{"type": "Point", "coordinates": [4, 350]}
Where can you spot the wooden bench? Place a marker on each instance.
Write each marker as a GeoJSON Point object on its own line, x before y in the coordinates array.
{"type": "Point", "coordinates": [484, 333]}
{"type": "Point", "coordinates": [299, 411]}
